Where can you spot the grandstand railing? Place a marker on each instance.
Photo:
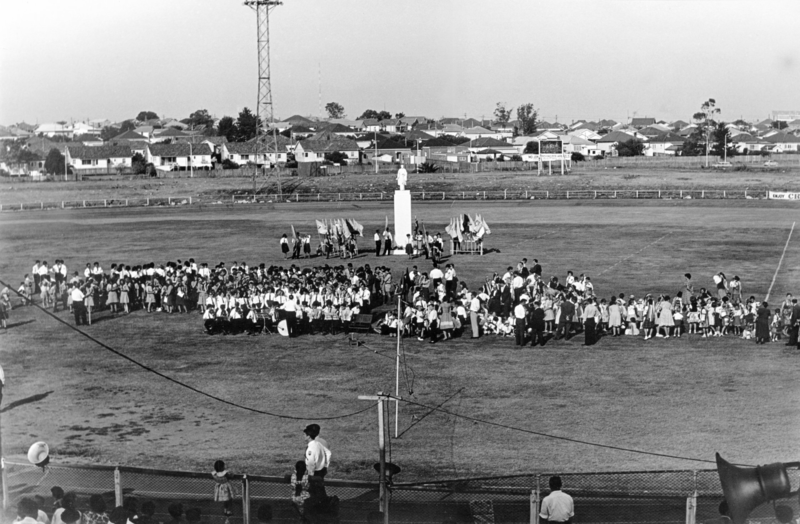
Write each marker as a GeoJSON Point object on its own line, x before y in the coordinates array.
{"type": "Point", "coordinates": [504, 194]}
{"type": "Point", "coordinates": [659, 497]}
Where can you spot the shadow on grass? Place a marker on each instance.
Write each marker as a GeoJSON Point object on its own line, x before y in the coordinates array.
{"type": "Point", "coordinates": [23, 401]}
{"type": "Point", "coordinates": [18, 324]}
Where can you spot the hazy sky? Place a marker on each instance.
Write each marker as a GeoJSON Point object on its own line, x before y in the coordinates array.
{"type": "Point", "coordinates": [62, 59]}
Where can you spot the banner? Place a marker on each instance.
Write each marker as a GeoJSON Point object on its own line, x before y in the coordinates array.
{"type": "Point", "coordinates": [322, 229]}
{"type": "Point", "coordinates": [782, 195]}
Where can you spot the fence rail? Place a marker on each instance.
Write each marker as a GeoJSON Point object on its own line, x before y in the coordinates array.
{"type": "Point", "coordinates": [659, 497]}
{"type": "Point", "coordinates": [506, 194]}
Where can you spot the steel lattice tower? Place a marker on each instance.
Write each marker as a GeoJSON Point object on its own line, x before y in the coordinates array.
{"type": "Point", "coordinates": [264, 109]}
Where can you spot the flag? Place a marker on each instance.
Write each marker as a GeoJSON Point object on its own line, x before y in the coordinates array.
{"type": "Point", "coordinates": [322, 229]}
{"type": "Point", "coordinates": [485, 227]}
{"type": "Point", "coordinates": [450, 229]}
{"type": "Point", "coordinates": [386, 226]}
{"type": "Point", "coordinates": [479, 234]}
{"type": "Point", "coordinates": [294, 234]}
{"type": "Point", "coordinates": [355, 227]}
{"type": "Point", "coordinates": [345, 228]}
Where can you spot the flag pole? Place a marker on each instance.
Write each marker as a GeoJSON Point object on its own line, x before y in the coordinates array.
{"type": "Point", "coordinates": [397, 370]}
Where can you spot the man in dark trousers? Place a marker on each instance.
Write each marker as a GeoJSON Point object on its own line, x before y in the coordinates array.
{"type": "Point", "coordinates": [506, 299]}
{"type": "Point", "coordinates": [377, 243]}
{"type": "Point", "coordinates": [566, 318]}
{"type": "Point", "coordinates": [537, 268]}
{"type": "Point", "coordinates": [793, 323]}
{"type": "Point", "coordinates": [520, 313]}
{"type": "Point", "coordinates": [536, 324]}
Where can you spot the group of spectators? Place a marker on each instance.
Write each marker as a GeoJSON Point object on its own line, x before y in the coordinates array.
{"type": "Point", "coordinates": [435, 305]}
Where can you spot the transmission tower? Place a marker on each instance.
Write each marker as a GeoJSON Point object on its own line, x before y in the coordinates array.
{"type": "Point", "coordinates": [264, 109]}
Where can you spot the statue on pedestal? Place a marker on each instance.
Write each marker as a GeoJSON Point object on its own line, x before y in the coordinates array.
{"type": "Point", "coordinates": [402, 177]}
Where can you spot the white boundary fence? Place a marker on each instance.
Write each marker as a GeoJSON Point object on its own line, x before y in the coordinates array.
{"type": "Point", "coordinates": [506, 194]}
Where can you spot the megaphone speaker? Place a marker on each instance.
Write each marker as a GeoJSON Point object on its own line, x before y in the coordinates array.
{"type": "Point", "coordinates": [747, 488]}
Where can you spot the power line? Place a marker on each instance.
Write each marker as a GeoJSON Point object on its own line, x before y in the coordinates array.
{"type": "Point", "coordinates": [548, 435]}
{"type": "Point", "coordinates": [183, 384]}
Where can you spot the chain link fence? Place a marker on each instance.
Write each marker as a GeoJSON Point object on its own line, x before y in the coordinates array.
{"type": "Point", "coordinates": [643, 497]}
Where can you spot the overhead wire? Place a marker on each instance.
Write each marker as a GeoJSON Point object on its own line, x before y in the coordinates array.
{"type": "Point", "coordinates": [183, 384]}
{"type": "Point", "coordinates": [551, 436]}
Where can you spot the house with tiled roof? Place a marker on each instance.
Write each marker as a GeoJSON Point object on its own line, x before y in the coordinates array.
{"type": "Point", "coordinates": [607, 145]}
{"type": "Point", "coordinates": [244, 153]}
{"type": "Point", "coordinates": [40, 145]}
{"type": "Point", "coordinates": [664, 144]}
{"type": "Point", "coordinates": [299, 132]}
{"type": "Point", "coordinates": [132, 136]}
{"type": "Point", "coordinates": [371, 124]}
{"type": "Point", "coordinates": [168, 157]}
{"type": "Point", "coordinates": [394, 126]}
{"type": "Point", "coordinates": [314, 150]}
{"type": "Point", "coordinates": [480, 132]}
{"type": "Point", "coordinates": [784, 142]}
{"type": "Point", "coordinates": [415, 134]}
{"type": "Point", "coordinates": [171, 133]}
{"type": "Point", "coordinates": [96, 158]}
{"type": "Point", "coordinates": [479, 144]}
{"type": "Point", "coordinates": [746, 143]}
{"type": "Point", "coordinates": [300, 120]}
{"type": "Point", "coordinates": [642, 122]}
{"type": "Point", "coordinates": [337, 130]}
{"type": "Point", "coordinates": [452, 130]}
{"type": "Point", "coordinates": [412, 121]}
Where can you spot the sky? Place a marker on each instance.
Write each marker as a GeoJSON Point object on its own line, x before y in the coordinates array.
{"type": "Point", "coordinates": [87, 59]}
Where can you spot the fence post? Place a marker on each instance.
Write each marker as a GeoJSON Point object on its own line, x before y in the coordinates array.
{"type": "Point", "coordinates": [534, 506]}
{"type": "Point", "coordinates": [245, 499]}
{"type": "Point", "coordinates": [340, 196]}
{"type": "Point", "coordinates": [724, 194]}
{"type": "Point", "coordinates": [169, 201]}
{"type": "Point", "coordinates": [5, 483]}
{"type": "Point", "coordinates": [505, 193]}
{"type": "Point", "coordinates": [126, 202]}
{"type": "Point", "coordinates": [637, 193]}
{"type": "Point", "coordinates": [423, 195]}
{"type": "Point", "coordinates": [703, 194]}
{"type": "Point", "coordinates": [442, 195]}
{"type": "Point", "coordinates": [297, 197]}
{"type": "Point", "coordinates": [105, 203]}
{"type": "Point", "coordinates": [41, 205]}
{"type": "Point", "coordinates": [595, 194]}
{"type": "Point", "coordinates": [484, 195]}
{"type": "Point", "coordinates": [745, 193]}
{"type": "Point", "coordinates": [659, 193]}
{"type": "Point", "coordinates": [548, 195]}
{"type": "Point", "coordinates": [148, 201]}
{"type": "Point", "coordinates": [691, 508]}
{"type": "Point", "coordinates": [526, 194]}
{"type": "Point", "coordinates": [84, 204]}
{"type": "Point", "coordinates": [567, 195]}
{"type": "Point", "coordinates": [190, 201]}
{"type": "Point", "coordinates": [681, 193]}
{"type": "Point", "coordinates": [117, 487]}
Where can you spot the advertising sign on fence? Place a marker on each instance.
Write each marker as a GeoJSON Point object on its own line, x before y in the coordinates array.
{"type": "Point", "coordinates": [783, 195]}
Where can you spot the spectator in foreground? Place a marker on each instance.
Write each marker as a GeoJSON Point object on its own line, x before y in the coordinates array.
{"type": "Point", "coordinates": [148, 510]}
{"type": "Point", "coordinates": [27, 511]}
{"type": "Point", "coordinates": [557, 506]}
{"type": "Point", "coordinates": [97, 511]}
{"type": "Point", "coordinates": [175, 511]}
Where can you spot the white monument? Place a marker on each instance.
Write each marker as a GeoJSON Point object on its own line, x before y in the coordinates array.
{"type": "Point", "coordinates": [402, 212]}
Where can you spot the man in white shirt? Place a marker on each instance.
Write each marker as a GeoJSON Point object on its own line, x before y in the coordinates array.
{"type": "Point", "coordinates": [78, 308]}
{"type": "Point", "coordinates": [474, 309]}
{"type": "Point", "coordinates": [519, 315]}
{"type": "Point", "coordinates": [557, 507]}
{"type": "Point", "coordinates": [291, 306]}
{"type": "Point", "coordinates": [377, 238]}
{"type": "Point", "coordinates": [318, 454]}
{"type": "Point", "coordinates": [35, 273]}
{"type": "Point", "coordinates": [387, 242]}
{"type": "Point", "coordinates": [27, 511]}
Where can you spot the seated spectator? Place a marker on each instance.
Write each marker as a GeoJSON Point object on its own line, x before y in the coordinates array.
{"type": "Point", "coordinates": [97, 511]}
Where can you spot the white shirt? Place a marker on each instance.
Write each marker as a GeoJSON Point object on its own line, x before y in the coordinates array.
{"type": "Point", "coordinates": [318, 455]}
{"type": "Point", "coordinates": [557, 507]}
{"type": "Point", "coordinates": [377, 237]}
{"type": "Point", "coordinates": [436, 273]}
{"type": "Point", "coordinates": [475, 305]}
{"type": "Point", "coordinates": [77, 295]}
{"type": "Point", "coordinates": [519, 312]}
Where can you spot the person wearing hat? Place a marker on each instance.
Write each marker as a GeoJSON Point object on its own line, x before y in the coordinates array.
{"type": "Point", "coordinates": [318, 455]}
{"type": "Point", "coordinates": [520, 312]}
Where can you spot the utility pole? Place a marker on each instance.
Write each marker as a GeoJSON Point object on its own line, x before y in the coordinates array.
{"type": "Point", "coordinates": [264, 108]}
{"type": "Point", "coordinates": [383, 496]}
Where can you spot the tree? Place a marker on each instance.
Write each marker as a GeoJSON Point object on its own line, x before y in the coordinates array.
{"type": "Point", "coordinates": [146, 115]}
{"type": "Point", "coordinates": [398, 116]}
{"type": "Point", "coordinates": [532, 147]}
{"type": "Point", "coordinates": [528, 119]}
{"type": "Point", "coordinates": [247, 125]}
{"type": "Point", "coordinates": [705, 119]}
{"type": "Point", "coordinates": [128, 125]}
{"type": "Point", "coordinates": [337, 157]}
{"type": "Point", "coordinates": [501, 114]}
{"type": "Point", "coordinates": [201, 119]}
{"type": "Point", "coordinates": [227, 127]}
{"type": "Point", "coordinates": [335, 110]}
{"type": "Point", "coordinates": [55, 162]}
{"type": "Point", "coordinates": [632, 147]}
{"type": "Point", "coordinates": [378, 115]}
{"type": "Point", "coordinates": [721, 140]}
{"type": "Point", "coordinates": [779, 124]}
{"type": "Point", "coordinates": [138, 164]}
{"type": "Point", "coordinates": [741, 123]}
{"type": "Point", "coordinates": [694, 145]}
{"type": "Point", "coordinates": [108, 133]}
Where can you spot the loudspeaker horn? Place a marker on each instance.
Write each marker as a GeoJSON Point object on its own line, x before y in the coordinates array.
{"type": "Point", "coordinates": [747, 488]}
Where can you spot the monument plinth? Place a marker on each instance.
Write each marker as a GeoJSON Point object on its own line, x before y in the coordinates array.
{"type": "Point", "coordinates": [402, 213]}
